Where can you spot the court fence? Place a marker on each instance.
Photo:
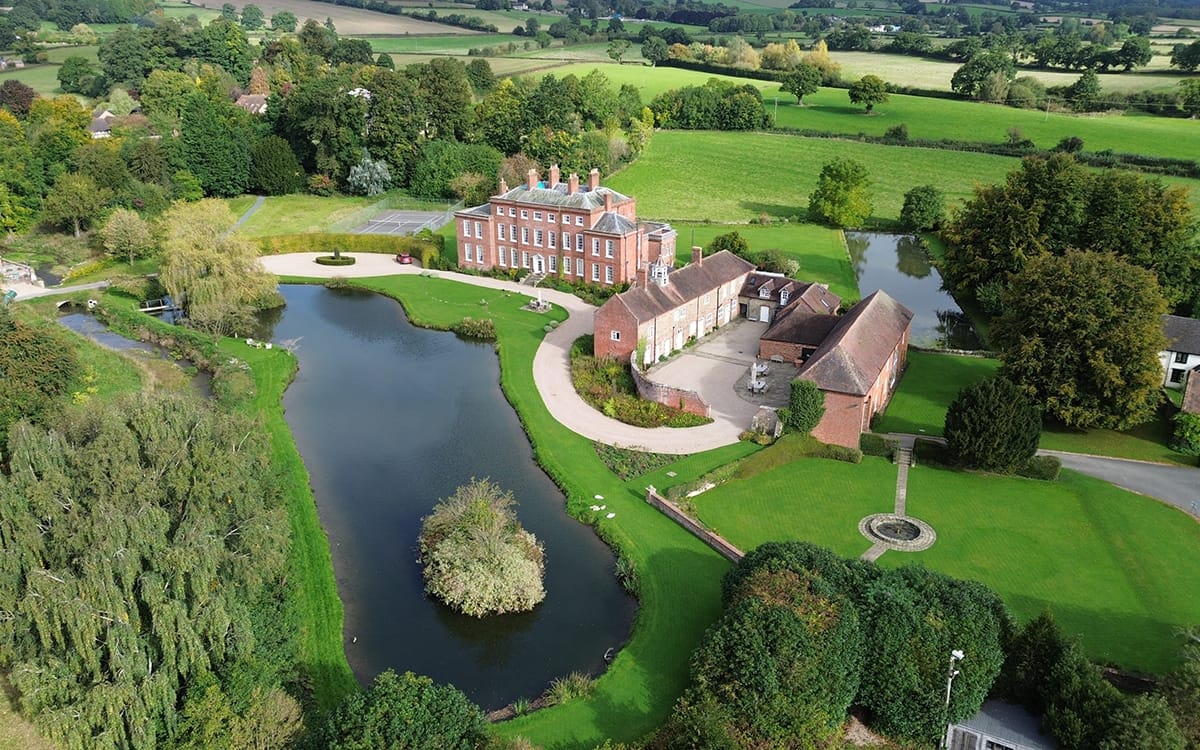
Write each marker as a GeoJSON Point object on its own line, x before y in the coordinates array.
{"type": "Point", "coordinates": [355, 222]}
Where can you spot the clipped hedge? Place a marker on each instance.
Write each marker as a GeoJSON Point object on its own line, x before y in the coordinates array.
{"type": "Point", "coordinates": [877, 445]}
{"type": "Point", "coordinates": [1045, 468]}
{"type": "Point", "coordinates": [334, 260]}
{"type": "Point", "coordinates": [425, 251]}
{"type": "Point", "coordinates": [931, 452]}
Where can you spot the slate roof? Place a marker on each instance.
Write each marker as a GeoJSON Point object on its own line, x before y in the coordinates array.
{"type": "Point", "coordinates": [483, 210]}
{"type": "Point", "coordinates": [613, 223]}
{"type": "Point", "coordinates": [1183, 334]}
{"type": "Point", "coordinates": [1006, 722]}
{"type": "Point", "coordinates": [795, 324]}
{"type": "Point", "coordinates": [851, 357]}
{"type": "Point", "coordinates": [557, 197]}
{"type": "Point", "coordinates": [100, 125]}
{"type": "Point", "coordinates": [685, 284]}
{"type": "Point", "coordinates": [815, 297]}
{"type": "Point", "coordinates": [255, 104]}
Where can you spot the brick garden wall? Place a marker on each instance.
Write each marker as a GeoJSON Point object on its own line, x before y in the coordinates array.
{"type": "Point", "coordinates": [716, 541]}
{"type": "Point", "coordinates": [677, 398]}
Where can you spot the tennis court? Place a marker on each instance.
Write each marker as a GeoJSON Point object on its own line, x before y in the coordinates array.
{"type": "Point", "coordinates": [403, 222]}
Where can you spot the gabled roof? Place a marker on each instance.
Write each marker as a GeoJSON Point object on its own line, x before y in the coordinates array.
{"type": "Point", "coordinates": [850, 359]}
{"type": "Point", "coordinates": [1009, 723]}
{"type": "Point", "coordinates": [100, 125]}
{"type": "Point", "coordinates": [613, 223]}
{"type": "Point", "coordinates": [796, 325]}
{"type": "Point", "coordinates": [255, 104]}
{"type": "Point", "coordinates": [557, 197]}
{"type": "Point", "coordinates": [683, 285]}
{"type": "Point", "coordinates": [1183, 334]}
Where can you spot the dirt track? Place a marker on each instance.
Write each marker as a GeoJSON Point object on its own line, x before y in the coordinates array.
{"type": "Point", "coordinates": [349, 21]}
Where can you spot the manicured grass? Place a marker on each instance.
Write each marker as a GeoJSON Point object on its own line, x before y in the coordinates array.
{"type": "Point", "coordinates": [239, 204]}
{"type": "Point", "coordinates": [680, 577]}
{"type": "Point", "coordinates": [1119, 569]}
{"type": "Point", "coordinates": [41, 78]}
{"type": "Point", "coordinates": [743, 175]}
{"type": "Point", "coordinates": [1146, 442]}
{"type": "Point", "coordinates": [320, 610]}
{"type": "Point", "coordinates": [809, 498]}
{"type": "Point", "coordinates": [300, 212]}
{"type": "Point", "coordinates": [821, 251]}
{"type": "Point", "coordinates": [830, 110]}
{"type": "Point", "coordinates": [927, 387]}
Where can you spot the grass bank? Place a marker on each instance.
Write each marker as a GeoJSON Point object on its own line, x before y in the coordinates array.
{"type": "Point", "coordinates": [679, 576]}
{"type": "Point", "coordinates": [1120, 570]}
{"type": "Point", "coordinates": [322, 653]}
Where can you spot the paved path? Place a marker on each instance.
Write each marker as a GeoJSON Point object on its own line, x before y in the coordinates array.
{"type": "Point", "coordinates": [258, 201]}
{"type": "Point", "coordinates": [29, 291]}
{"type": "Point", "coordinates": [1176, 485]}
{"type": "Point", "coordinates": [903, 462]}
{"type": "Point", "coordinates": [551, 363]}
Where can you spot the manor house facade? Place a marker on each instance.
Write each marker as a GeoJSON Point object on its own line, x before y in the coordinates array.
{"type": "Point", "coordinates": [580, 232]}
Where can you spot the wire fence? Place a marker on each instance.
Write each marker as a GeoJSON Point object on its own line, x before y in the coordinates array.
{"type": "Point", "coordinates": [390, 203]}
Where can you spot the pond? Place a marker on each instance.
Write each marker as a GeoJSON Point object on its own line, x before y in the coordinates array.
{"type": "Point", "coordinates": [899, 265]}
{"type": "Point", "coordinates": [389, 418]}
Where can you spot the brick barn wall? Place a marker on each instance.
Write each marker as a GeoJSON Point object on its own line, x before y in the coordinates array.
{"type": "Point", "coordinates": [613, 316]}
{"type": "Point", "coordinates": [768, 349]}
{"type": "Point", "coordinates": [843, 420]}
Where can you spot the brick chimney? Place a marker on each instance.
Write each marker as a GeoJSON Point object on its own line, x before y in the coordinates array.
{"type": "Point", "coordinates": [554, 175]}
{"type": "Point", "coordinates": [503, 187]}
{"type": "Point", "coordinates": [593, 179]}
{"type": "Point", "coordinates": [697, 255]}
{"type": "Point", "coordinates": [531, 179]}
{"type": "Point", "coordinates": [608, 200]}
{"type": "Point", "coordinates": [573, 184]}
{"type": "Point", "coordinates": [640, 276]}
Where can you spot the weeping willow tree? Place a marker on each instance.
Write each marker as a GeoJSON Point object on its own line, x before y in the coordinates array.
{"type": "Point", "coordinates": [144, 548]}
{"type": "Point", "coordinates": [213, 271]}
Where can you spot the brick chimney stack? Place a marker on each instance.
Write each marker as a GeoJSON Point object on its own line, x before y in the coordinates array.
{"type": "Point", "coordinates": [608, 201]}
{"type": "Point", "coordinates": [572, 184]}
{"type": "Point", "coordinates": [697, 255]}
{"type": "Point", "coordinates": [593, 179]}
{"type": "Point", "coordinates": [531, 179]}
{"type": "Point", "coordinates": [640, 276]}
{"type": "Point", "coordinates": [554, 175]}
{"type": "Point", "coordinates": [503, 187]}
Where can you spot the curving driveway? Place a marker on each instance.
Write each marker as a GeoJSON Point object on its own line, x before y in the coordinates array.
{"type": "Point", "coordinates": [551, 363]}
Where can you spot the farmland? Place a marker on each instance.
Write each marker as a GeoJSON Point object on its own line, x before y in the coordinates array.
{"type": "Point", "coordinates": [352, 21]}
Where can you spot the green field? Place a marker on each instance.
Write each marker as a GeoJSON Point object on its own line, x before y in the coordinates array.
{"type": "Point", "coordinates": [443, 45]}
{"type": "Point", "coordinates": [743, 175]}
{"type": "Point", "coordinates": [651, 82]}
{"type": "Point", "coordinates": [821, 251]}
{"type": "Point", "coordinates": [1119, 569]}
{"type": "Point", "coordinates": [930, 383]}
{"type": "Point", "coordinates": [300, 213]}
{"type": "Point", "coordinates": [830, 110]}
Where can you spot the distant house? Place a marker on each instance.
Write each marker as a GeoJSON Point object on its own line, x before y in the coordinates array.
{"type": "Point", "coordinates": [666, 308]}
{"type": "Point", "coordinates": [765, 294]}
{"type": "Point", "coordinates": [255, 104]}
{"type": "Point", "coordinates": [1182, 355]}
{"type": "Point", "coordinates": [855, 359]}
{"type": "Point", "coordinates": [999, 726]}
{"type": "Point", "coordinates": [101, 125]}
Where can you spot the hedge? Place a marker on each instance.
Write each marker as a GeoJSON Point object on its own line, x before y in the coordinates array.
{"type": "Point", "coordinates": [334, 260]}
{"type": "Point", "coordinates": [877, 445]}
{"type": "Point", "coordinates": [1045, 468]}
{"type": "Point", "coordinates": [426, 251]}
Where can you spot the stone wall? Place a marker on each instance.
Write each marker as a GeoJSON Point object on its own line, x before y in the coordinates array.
{"type": "Point", "coordinates": [716, 541]}
{"type": "Point", "coordinates": [676, 398]}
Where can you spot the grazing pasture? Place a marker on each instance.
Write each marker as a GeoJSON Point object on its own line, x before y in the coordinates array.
{"type": "Point", "coordinates": [743, 175]}
{"type": "Point", "coordinates": [351, 21]}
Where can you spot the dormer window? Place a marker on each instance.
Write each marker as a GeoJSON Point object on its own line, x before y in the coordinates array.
{"type": "Point", "coordinates": [658, 273]}
{"type": "Point", "coordinates": [783, 296]}
{"type": "Point", "coordinates": [764, 291]}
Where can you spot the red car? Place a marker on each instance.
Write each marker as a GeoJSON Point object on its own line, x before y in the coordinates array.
{"type": "Point", "coordinates": [404, 258]}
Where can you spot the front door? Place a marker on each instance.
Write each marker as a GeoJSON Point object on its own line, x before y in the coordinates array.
{"type": "Point", "coordinates": [539, 264]}
{"type": "Point", "coordinates": [764, 314]}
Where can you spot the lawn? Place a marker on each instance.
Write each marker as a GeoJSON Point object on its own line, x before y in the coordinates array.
{"type": "Point", "coordinates": [1119, 569]}
{"type": "Point", "coordinates": [680, 576]}
{"type": "Point", "coordinates": [830, 110]}
{"type": "Point", "coordinates": [744, 175]}
{"type": "Point", "coordinates": [930, 382]}
{"type": "Point", "coordinates": [456, 44]}
{"type": "Point", "coordinates": [821, 251]}
{"type": "Point", "coordinates": [299, 213]}
{"type": "Point", "coordinates": [651, 82]}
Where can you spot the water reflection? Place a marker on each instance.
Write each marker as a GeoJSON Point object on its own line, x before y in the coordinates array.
{"type": "Point", "coordinates": [899, 265]}
{"type": "Point", "coordinates": [389, 418]}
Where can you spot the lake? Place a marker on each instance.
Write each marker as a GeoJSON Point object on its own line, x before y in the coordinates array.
{"type": "Point", "coordinates": [389, 418]}
{"type": "Point", "coordinates": [897, 264]}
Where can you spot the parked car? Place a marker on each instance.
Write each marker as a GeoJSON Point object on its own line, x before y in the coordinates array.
{"type": "Point", "coordinates": [404, 258]}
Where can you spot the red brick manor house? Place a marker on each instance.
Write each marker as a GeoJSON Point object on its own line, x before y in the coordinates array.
{"type": "Point", "coordinates": [582, 232]}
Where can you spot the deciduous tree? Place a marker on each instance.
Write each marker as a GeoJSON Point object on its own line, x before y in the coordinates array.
{"type": "Point", "coordinates": [284, 21]}
{"type": "Point", "coordinates": [869, 90]}
{"type": "Point", "coordinates": [16, 97]}
{"type": "Point", "coordinates": [74, 201]}
{"type": "Point", "coordinates": [1081, 334]}
{"type": "Point", "coordinates": [801, 81]}
{"type": "Point", "coordinates": [842, 196]}
{"type": "Point", "coordinates": [127, 234]}
{"type": "Point", "coordinates": [924, 209]}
